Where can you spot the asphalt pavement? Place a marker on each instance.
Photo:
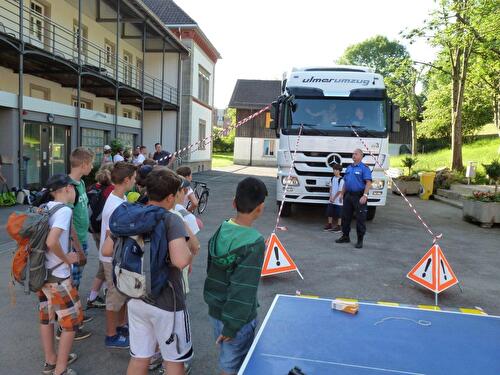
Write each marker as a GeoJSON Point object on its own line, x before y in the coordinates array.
{"type": "Point", "coordinates": [394, 243]}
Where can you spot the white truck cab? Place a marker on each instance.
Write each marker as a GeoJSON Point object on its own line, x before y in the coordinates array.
{"type": "Point", "coordinates": [328, 103]}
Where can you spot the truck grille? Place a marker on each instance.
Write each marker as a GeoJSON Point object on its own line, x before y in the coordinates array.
{"type": "Point", "coordinates": [318, 189]}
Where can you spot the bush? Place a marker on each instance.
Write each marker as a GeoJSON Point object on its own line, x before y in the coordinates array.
{"type": "Point", "coordinates": [493, 172]}
{"type": "Point", "coordinates": [485, 196]}
{"type": "Point", "coordinates": [222, 143]}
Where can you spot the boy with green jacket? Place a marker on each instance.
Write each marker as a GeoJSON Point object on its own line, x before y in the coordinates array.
{"type": "Point", "coordinates": [235, 257]}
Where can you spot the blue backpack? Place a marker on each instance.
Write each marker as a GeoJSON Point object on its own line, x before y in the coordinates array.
{"type": "Point", "coordinates": [136, 273]}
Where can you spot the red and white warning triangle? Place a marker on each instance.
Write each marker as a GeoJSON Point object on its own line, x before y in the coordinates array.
{"type": "Point", "coordinates": [277, 259]}
{"type": "Point", "coordinates": [433, 271]}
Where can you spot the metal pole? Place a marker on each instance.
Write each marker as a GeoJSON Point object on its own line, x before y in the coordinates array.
{"type": "Point", "coordinates": [79, 86]}
{"type": "Point", "coordinates": [117, 48]}
{"type": "Point", "coordinates": [179, 98]}
{"type": "Point", "coordinates": [162, 86]}
{"type": "Point", "coordinates": [142, 79]}
{"type": "Point", "coordinates": [20, 103]}
{"type": "Point", "coordinates": [251, 137]}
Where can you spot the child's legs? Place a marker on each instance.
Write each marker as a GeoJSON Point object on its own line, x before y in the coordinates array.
{"type": "Point", "coordinates": [65, 344]}
{"type": "Point", "coordinates": [77, 270]}
{"type": "Point", "coordinates": [98, 279]}
{"type": "Point", "coordinates": [233, 352]}
{"type": "Point", "coordinates": [174, 368]}
{"type": "Point", "coordinates": [115, 301]}
{"type": "Point", "coordinates": [138, 366]}
{"type": "Point", "coordinates": [338, 214]}
{"type": "Point", "coordinates": [47, 336]}
{"type": "Point", "coordinates": [330, 213]}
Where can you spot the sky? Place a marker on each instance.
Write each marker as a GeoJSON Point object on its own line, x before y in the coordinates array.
{"type": "Point", "coordinates": [262, 39]}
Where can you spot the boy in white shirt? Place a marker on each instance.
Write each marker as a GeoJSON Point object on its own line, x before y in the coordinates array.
{"type": "Point", "coordinates": [190, 201]}
{"type": "Point", "coordinates": [58, 297]}
{"type": "Point", "coordinates": [334, 209]}
{"type": "Point", "coordinates": [123, 177]}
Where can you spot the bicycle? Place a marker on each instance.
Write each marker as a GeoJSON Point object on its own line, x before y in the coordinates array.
{"type": "Point", "coordinates": [201, 192]}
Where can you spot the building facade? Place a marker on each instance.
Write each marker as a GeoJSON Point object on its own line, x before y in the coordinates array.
{"type": "Point", "coordinates": [198, 78]}
{"type": "Point", "coordinates": [77, 72]}
{"type": "Point", "coordinates": [255, 143]}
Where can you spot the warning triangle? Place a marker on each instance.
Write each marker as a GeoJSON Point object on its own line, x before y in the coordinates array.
{"type": "Point", "coordinates": [277, 259]}
{"type": "Point", "coordinates": [433, 271]}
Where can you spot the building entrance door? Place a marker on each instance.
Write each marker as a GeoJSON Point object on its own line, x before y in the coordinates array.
{"type": "Point", "coordinates": [45, 152]}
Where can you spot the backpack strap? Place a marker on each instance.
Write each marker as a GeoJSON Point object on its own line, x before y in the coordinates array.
{"type": "Point", "coordinates": [146, 264]}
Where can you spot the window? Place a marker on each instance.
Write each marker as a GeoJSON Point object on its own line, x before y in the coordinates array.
{"type": "Point", "coordinates": [203, 84]}
{"type": "Point", "coordinates": [127, 139]}
{"type": "Point", "coordinates": [127, 113]}
{"type": "Point", "coordinates": [138, 77]}
{"type": "Point", "coordinates": [84, 41]}
{"type": "Point", "coordinates": [37, 26]}
{"type": "Point", "coordinates": [127, 68]}
{"type": "Point", "coordinates": [109, 57]}
{"type": "Point", "coordinates": [202, 133]}
{"type": "Point", "coordinates": [39, 92]}
{"type": "Point", "coordinates": [269, 145]}
{"type": "Point", "coordinates": [84, 103]}
{"type": "Point", "coordinates": [95, 140]}
{"type": "Point", "coordinates": [138, 116]}
{"type": "Point", "coordinates": [109, 109]}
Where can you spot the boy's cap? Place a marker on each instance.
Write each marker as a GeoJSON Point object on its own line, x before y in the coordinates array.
{"type": "Point", "coordinates": [58, 181]}
{"type": "Point", "coordinates": [107, 147]}
{"type": "Point", "coordinates": [144, 170]}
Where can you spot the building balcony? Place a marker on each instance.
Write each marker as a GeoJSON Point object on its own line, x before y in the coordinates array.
{"type": "Point", "coordinates": [56, 53]}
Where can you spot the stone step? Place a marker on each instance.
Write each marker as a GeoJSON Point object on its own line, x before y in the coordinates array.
{"type": "Point", "coordinates": [448, 201]}
{"type": "Point", "coordinates": [450, 194]}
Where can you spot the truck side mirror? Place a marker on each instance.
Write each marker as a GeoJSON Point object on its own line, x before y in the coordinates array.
{"type": "Point", "coordinates": [395, 118]}
{"type": "Point", "coordinates": [272, 120]}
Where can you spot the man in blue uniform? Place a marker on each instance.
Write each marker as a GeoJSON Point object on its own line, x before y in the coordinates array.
{"type": "Point", "coordinates": [357, 183]}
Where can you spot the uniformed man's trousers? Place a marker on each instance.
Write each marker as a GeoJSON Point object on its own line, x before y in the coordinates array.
{"type": "Point", "coordinates": [350, 206]}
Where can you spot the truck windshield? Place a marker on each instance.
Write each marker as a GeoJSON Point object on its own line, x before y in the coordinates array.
{"type": "Point", "coordinates": [335, 117]}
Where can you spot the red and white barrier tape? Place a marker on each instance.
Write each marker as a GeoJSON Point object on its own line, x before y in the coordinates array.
{"type": "Point", "coordinates": [287, 182]}
{"type": "Point", "coordinates": [435, 237]}
{"type": "Point", "coordinates": [208, 139]}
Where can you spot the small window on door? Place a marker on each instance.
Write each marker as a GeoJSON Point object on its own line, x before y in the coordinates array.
{"type": "Point", "coordinates": [84, 103]}
{"type": "Point", "coordinates": [127, 113]}
{"type": "Point", "coordinates": [37, 22]}
{"type": "Point", "coordinates": [109, 57]}
{"type": "Point", "coordinates": [269, 145]}
{"type": "Point", "coordinates": [109, 109]}
{"type": "Point", "coordinates": [202, 133]}
{"type": "Point", "coordinates": [127, 68]}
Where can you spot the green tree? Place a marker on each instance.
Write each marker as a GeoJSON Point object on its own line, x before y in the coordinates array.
{"type": "Point", "coordinates": [376, 53]}
{"type": "Point", "coordinates": [402, 79]}
{"type": "Point", "coordinates": [461, 28]}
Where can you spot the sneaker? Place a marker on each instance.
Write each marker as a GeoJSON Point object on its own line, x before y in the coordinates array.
{"type": "Point", "coordinates": [187, 367]}
{"type": "Point", "coordinates": [328, 227]}
{"type": "Point", "coordinates": [69, 371]}
{"type": "Point", "coordinates": [155, 362]}
{"type": "Point", "coordinates": [123, 330]}
{"type": "Point", "coordinates": [117, 341]}
{"type": "Point", "coordinates": [49, 369]}
{"type": "Point", "coordinates": [98, 303]}
{"type": "Point", "coordinates": [81, 334]}
{"type": "Point", "coordinates": [87, 318]}
{"type": "Point", "coordinates": [336, 229]}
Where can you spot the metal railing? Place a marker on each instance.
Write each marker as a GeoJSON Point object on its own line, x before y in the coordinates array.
{"type": "Point", "coordinates": [40, 31]}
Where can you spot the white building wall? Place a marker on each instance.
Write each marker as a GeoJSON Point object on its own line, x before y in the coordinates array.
{"type": "Point", "coordinates": [151, 131]}
{"type": "Point", "coordinates": [200, 112]}
{"type": "Point", "coordinates": [152, 66]}
{"type": "Point", "coordinates": [200, 58]}
{"type": "Point", "coordinates": [242, 152]}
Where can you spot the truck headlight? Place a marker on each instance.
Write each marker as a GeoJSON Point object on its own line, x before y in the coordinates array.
{"type": "Point", "coordinates": [290, 181]}
{"type": "Point", "coordinates": [378, 184]}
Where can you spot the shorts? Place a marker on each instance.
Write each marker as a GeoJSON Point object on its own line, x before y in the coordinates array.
{"type": "Point", "coordinates": [334, 210]}
{"type": "Point", "coordinates": [149, 325]}
{"type": "Point", "coordinates": [60, 299]}
{"type": "Point", "coordinates": [77, 271]}
{"type": "Point", "coordinates": [233, 352]}
{"type": "Point", "coordinates": [114, 299]}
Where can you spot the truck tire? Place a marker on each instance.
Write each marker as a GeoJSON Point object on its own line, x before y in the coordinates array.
{"type": "Point", "coordinates": [371, 212]}
{"type": "Point", "coordinates": [287, 208]}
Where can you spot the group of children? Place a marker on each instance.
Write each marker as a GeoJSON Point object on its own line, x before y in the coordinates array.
{"type": "Point", "coordinates": [157, 330]}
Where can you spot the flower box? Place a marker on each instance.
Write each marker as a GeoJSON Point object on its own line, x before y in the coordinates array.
{"type": "Point", "coordinates": [408, 187]}
{"type": "Point", "coordinates": [485, 213]}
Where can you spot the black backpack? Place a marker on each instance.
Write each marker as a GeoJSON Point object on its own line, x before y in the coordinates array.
{"type": "Point", "coordinates": [96, 205]}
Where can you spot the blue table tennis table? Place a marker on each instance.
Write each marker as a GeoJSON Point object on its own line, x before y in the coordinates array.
{"type": "Point", "coordinates": [380, 339]}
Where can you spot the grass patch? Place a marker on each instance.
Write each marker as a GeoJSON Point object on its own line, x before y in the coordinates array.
{"type": "Point", "coordinates": [222, 159]}
{"type": "Point", "coordinates": [482, 151]}
{"type": "Point", "coordinates": [488, 129]}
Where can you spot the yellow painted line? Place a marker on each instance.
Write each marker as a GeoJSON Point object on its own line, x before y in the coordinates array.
{"type": "Point", "coordinates": [388, 303]}
{"type": "Point", "coordinates": [429, 307]}
{"type": "Point", "coordinates": [307, 296]}
{"type": "Point", "coordinates": [472, 311]}
{"type": "Point", "coordinates": [347, 299]}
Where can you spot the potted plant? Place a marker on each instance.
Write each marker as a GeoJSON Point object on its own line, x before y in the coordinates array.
{"type": "Point", "coordinates": [409, 184]}
{"type": "Point", "coordinates": [484, 207]}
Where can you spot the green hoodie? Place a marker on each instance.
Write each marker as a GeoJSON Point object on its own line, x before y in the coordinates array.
{"type": "Point", "coordinates": [235, 257]}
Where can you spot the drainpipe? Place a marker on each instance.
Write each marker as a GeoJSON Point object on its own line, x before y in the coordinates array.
{"type": "Point", "coordinates": [117, 87]}
{"type": "Point", "coordinates": [20, 103]}
{"type": "Point", "coordinates": [251, 137]}
{"type": "Point", "coordinates": [179, 98]}
{"type": "Point", "coordinates": [142, 75]}
{"type": "Point", "coordinates": [162, 90]}
{"type": "Point", "coordinates": [79, 86]}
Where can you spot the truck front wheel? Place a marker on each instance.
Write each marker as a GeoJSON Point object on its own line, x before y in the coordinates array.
{"type": "Point", "coordinates": [371, 212]}
{"type": "Point", "coordinates": [287, 208]}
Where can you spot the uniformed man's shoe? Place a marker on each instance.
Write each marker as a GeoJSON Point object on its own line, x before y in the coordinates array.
{"type": "Point", "coordinates": [343, 239]}
{"type": "Point", "coordinates": [359, 244]}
